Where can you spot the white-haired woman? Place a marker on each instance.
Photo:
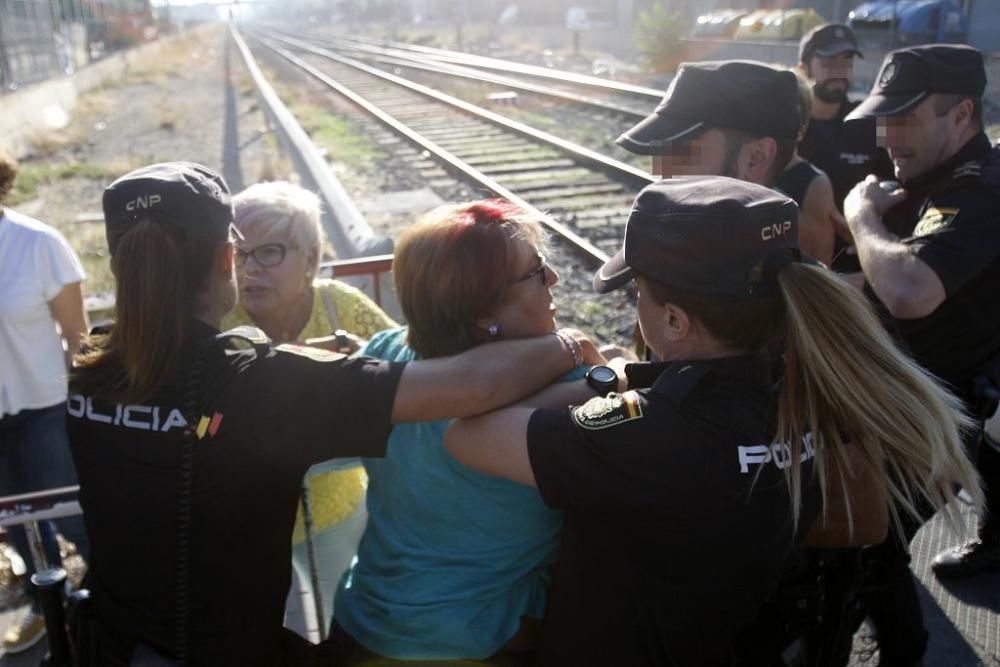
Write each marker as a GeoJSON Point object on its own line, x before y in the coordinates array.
{"type": "Point", "coordinates": [278, 263]}
{"type": "Point", "coordinates": [279, 292]}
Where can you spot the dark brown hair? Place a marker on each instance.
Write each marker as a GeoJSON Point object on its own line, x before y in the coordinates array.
{"type": "Point", "coordinates": [8, 172]}
{"type": "Point", "coordinates": [736, 139]}
{"type": "Point", "coordinates": [747, 324]}
{"type": "Point", "coordinates": [944, 102]}
{"type": "Point", "coordinates": [158, 273]}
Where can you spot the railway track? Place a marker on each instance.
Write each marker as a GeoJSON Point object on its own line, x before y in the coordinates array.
{"type": "Point", "coordinates": [586, 194]}
{"type": "Point", "coordinates": [630, 101]}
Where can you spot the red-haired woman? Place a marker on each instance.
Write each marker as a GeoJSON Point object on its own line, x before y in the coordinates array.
{"type": "Point", "coordinates": [454, 564]}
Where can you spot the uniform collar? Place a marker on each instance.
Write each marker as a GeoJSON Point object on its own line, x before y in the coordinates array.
{"type": "Point", "coordinates": [974, 149]}
{"type": "Point", "coordinates": [676, 379]}
{"type": "Point", "coordinates": [197, 330]}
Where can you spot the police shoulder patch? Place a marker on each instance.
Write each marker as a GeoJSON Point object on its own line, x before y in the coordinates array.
{"type": "Point", "coordinates": [250, 334]}
{"type": "Point", "coordinates": [607, 411]}
{"type": "Point", "coordinates": [314, 353]}
{"type": "Point", "coordinates": [933, 219]}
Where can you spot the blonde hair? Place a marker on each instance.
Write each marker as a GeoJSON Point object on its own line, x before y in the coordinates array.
{"type": "Point", "coordinates": [452, 268]}
{"type": "Point", "coordinates": [846, 382]}
{"type": "Point", "coordinates": [282, 210]}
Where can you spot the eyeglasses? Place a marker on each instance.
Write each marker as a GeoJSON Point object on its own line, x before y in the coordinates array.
{"type": "Point", "coordinates": [537, 271]}
{"type": "Point", "coordinates": [268, 255]}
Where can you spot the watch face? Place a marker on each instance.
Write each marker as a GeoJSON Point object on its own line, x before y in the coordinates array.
{"type": "Point", "coordinates": [603, 374]}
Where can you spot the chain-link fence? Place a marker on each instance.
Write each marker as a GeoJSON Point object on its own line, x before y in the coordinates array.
{"type": "Point", "coordinates": [43, 38]}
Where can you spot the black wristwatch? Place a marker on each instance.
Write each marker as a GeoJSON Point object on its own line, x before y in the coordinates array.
{"type": "Point", "coordinates": [602, 379]}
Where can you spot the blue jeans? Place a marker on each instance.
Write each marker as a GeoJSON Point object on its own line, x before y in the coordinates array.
{"type": "Point", "coordinates": [35, 456]}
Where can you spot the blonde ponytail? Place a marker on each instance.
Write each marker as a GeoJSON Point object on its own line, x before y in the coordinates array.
{"type": "Point", "coordinates": [847, 382]}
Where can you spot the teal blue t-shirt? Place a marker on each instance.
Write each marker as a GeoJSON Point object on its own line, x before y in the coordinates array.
{"type": "Point", "coordinates": [451, 559]}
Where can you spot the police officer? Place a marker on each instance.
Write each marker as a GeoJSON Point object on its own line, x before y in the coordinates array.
{"type": "Point", "coordinates": [190, 455]}
{"type": "Point", "coordinates": [728, 118]}
{"type": "Point", "coordinates": [684, 503]}
{"type": "Point", "coordinates": [847, 153]}
{"type": "Point", "coordinates": [930, 253]}
{"type": "Point", "coordinates": [738, 119]}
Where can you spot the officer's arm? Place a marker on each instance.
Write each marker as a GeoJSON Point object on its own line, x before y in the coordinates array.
{"type": "Point", "coordinates": [495, 444]}
{"type": "Point", "coordinates": [868, 509]}
{"type": "Point", "coordinates": [818, 220]}
{"type": "Point", "coordinates": [907, 286]}
{"type": "Point", "coordinates": [482, 379]}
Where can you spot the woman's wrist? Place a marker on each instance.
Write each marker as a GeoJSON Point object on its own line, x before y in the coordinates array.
{"type": "Point", "coordinates": [570, 344]}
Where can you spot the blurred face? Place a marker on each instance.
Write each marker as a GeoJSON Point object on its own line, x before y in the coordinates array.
{"type": "Point", "coordinates": [527, 308]}
{"type": "Point", "coordinates": [271, 273]}
{"type": "Point", "coordinates": [705, 155]}
{"type": "Point", "coordinates": [918, 141]}
{"type": "Point", "coordinates": [831, 76]}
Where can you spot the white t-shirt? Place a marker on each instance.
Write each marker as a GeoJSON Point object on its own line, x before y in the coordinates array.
{"type": "Point", "coordinates": [36, 263]}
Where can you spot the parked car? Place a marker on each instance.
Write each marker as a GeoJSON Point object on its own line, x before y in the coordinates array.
{"type": "Point", "coordinates": [721, 24]}
{"type": "Point", "coordinates": [777, 24]}
{"type": "Point", "coordinates": [916, 22]}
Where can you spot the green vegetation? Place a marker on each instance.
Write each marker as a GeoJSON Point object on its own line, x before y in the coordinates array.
{"type": "Point", "coordinates": [338, 136]}
{"type": "Point", "coordinates": [657, 37]}
{"type": "Point", "coordinates": [590, 310]}
{"type": "Point", "coordinates": [31, 176]}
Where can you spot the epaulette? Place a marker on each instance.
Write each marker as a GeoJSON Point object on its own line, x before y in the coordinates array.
{"type": "Point", "coordinates": [972, 168]}
{"type": "Point", "coordinates": [248, 334]}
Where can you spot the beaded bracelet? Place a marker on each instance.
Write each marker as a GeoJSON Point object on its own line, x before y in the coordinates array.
{"type": "Point", "coordinates": [571, 345]}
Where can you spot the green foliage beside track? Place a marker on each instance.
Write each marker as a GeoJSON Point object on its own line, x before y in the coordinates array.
{"type": "Point", "coordinates": [657, 36]}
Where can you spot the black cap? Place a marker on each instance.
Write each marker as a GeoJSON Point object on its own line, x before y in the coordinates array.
{"type": "Point", "coordinates": [183, 194]}
{"type": "Point", "coordinates": [712, 235]}
{"type": "Point", "coordinates": [827, 41]}
{"type": "Point", "coordinates": [732, 94]}
{"type": "Point", "coordinates": [910, 75]}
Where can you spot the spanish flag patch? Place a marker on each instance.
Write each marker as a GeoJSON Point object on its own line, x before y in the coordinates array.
{"type": "Point", "coordinates": [208, 425]}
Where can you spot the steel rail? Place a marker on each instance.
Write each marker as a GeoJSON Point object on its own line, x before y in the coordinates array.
{"type": "Point", "coordinates": [381, 55]}
{"type": "Point", "coordinates": [443, 155]}
{"type": "Point", "coordinates": [504, 65]}
{"type": "Point", "coordinates": [603, 162]}
{"type": "Point", "coordinates": [345, 225]}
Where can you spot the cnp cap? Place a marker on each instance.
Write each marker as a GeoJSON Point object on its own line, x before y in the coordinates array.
{"type": "Point", "coordinates": [827, 41]}
{"type": "Point", "coordinates": [712, 235]}
{"type": "Point", "coordinates": [910, 75]}
{"type": "Point", "coordinates": [733, 94]}
{"type": "Point", "coordinates": [185, 195]}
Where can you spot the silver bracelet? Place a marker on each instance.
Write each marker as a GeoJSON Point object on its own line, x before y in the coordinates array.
{"type": "Point", "coordinates": [571, 345]}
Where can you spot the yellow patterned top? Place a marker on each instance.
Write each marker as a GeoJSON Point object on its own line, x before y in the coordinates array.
{"type": "Point", "coordinates": [334, 494]}
{"type": "Point", "coordinates": [357, 313]}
